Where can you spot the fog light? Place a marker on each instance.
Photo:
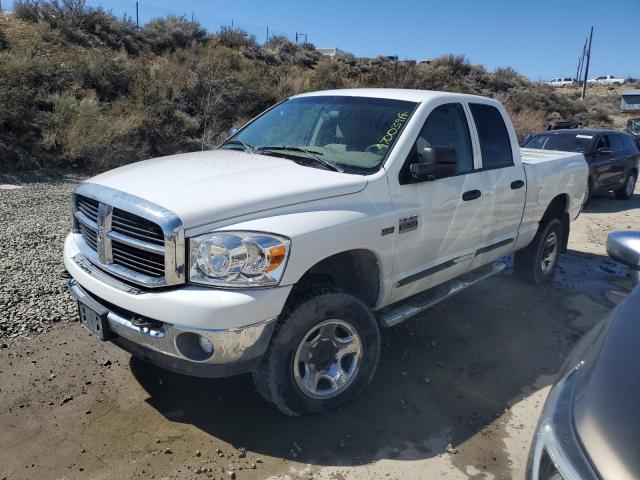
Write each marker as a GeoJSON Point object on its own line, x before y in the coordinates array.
{"type": "Point", "coordinates": [194, 347]}
{"type": "Point", "coordinates": [205, 345]}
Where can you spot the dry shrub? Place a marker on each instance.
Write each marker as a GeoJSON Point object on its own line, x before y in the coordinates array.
{"type": "Point", "coordinates": [528, 121]}
{"type": "Point", "coordinates": [93, 137]}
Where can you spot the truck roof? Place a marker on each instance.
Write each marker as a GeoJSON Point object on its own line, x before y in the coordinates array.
{"type": "Point", "coordinates": [410, 95]}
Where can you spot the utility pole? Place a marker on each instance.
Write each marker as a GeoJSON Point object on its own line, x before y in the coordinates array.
{"type": "Point", "coordinates": [300, 34]}
{"type": "Point", "coordinates": [267, 34]}
{"type": "Point", "coordinates": [581, 61]}
{"type": "Point", "coordinates": [137, 16]}
{"type": "Point", "coordinates": [586, 69]}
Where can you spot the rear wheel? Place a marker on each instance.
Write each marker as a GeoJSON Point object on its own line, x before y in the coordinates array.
{"type": "Point", "coordinates": [626, 192]}
{"type": "Point", "coordinates": [537, 262]}
{"type": "Point", "coordinates": [589, 193]}
{"type": "Point", "coordinates": [323, 353]}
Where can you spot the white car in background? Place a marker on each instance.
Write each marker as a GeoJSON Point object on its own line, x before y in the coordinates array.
{"type": "Point", "coordinates": [562, 82]}
{"type": "Point", "coordinates": [609, 80]}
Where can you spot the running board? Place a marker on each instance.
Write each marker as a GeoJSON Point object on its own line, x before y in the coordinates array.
{"type": "Point", "coordinates": [396, 313]}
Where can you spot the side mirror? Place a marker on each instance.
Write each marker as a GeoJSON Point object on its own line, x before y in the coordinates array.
{"type": "Point", "coordinates": [624, 247]}
{"type": "Point", "coordinates": [231, 132]}
{"type": "Point", "coordinates": [437, 162]}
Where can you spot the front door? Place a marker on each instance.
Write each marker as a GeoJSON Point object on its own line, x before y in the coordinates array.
{"type": "Point", "coordinates": [439, 221]}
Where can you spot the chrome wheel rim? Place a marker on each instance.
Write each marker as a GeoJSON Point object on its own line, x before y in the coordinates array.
{"type": "Point", "coordinates": [327, 359]}
{"type": "Point", "coordinates": [629, 187]}
{"type": "Point", "coordinates": [549, 253]}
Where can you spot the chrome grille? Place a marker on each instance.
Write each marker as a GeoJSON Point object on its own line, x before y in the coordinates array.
{"type": "Point", "coordinates": [136, 227]}
{"type": "Point", "coordinates": [147, 251]}
{"type": "Point", "coordinates": [138, 260]}
{"type": "Point", "coordinates": [88, 206]}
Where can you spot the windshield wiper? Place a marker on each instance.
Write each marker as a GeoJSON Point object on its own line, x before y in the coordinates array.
{"type": "Point", "coordinates": [311, 154]}
{"type": "Point", "coordinates": [245, 146]}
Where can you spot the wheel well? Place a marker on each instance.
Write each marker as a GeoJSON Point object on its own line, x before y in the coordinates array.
{"type": "Point", "coordinates": [558, 209]}
{"type": "Point", "coordinates": [355, 271]}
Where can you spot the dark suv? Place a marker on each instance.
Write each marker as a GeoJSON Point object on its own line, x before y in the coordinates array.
{"type": "Point", "coordinates": [612, 157]}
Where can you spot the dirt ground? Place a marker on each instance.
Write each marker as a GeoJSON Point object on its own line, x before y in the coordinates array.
{"type": "Point", "coordinates": [457, 393]}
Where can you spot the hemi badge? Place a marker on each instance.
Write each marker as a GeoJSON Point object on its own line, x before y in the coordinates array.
{"type": "Point", "coordinates": [388, 230]}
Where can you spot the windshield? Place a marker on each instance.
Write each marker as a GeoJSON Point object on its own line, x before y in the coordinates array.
{"type": "Point", "coordinates": [354, 134]}
{"type": "Point", "coordinates": [563, 142]}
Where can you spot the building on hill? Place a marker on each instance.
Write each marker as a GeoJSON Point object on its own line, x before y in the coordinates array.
{"type": "Point", "coordinates": [330, 52]}
{"type": "Point", "coordinates": [630, 102]}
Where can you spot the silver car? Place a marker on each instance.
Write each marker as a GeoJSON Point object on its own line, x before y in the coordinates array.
{"type": "Point", "coordinates": [590, 424]}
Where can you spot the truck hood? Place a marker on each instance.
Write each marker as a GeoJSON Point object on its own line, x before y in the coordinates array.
{"type": "Point", "coordinates": [211, 186]}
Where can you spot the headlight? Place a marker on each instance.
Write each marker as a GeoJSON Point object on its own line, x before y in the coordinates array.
{"type": "Point", "coordinates": [556, 451]}
{"type": "Point", "coordinates": [238, 259]}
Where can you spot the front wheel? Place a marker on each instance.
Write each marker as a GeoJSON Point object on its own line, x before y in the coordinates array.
{"type": "Point", "coordinates": [626, 192]}
{"type": "Point", "coordinates": [323, 353]}
{"type": "Point", "coordinates": [537, 262]}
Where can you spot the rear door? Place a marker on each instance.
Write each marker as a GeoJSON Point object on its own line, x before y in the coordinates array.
{"type": "Point", "coordinates": [503, 181]}
{"type": "Point", "coordinates": [620, 159]}
{"type": "Point", "coordinates": [602, 163]}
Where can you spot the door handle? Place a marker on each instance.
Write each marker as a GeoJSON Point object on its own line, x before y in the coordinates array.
{"type": "Point", "coordinates": [517, 184]}
{"type": "Point", "coordinates": [471, 195]}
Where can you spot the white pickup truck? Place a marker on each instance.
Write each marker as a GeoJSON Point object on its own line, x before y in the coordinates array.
{"type": "Point", "coordinates": [609, 80]}
{"type": "Point", "coordinates": [283, 251]}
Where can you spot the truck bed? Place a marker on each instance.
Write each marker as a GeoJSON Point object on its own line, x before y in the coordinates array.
{"type": "Point", "coordinates": [549, 172]}
{"type": "Point", "coordinates": [534, 155]}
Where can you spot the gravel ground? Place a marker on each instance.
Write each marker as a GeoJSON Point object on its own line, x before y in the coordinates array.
{"type": "Point", "coordinates": [35, 218]}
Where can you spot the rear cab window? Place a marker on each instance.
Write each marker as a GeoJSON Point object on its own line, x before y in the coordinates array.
{"type": "Point", "coordinates": [495, 143]}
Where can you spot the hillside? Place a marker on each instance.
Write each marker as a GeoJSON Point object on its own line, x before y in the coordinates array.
{"type": "Point", "coordinates": [82, 89]}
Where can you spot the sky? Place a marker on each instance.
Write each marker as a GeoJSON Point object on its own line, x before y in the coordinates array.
{"type": "Point", "coordinates": [541, 39]}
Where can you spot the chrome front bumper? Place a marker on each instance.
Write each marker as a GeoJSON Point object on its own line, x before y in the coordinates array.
{"type": "Point", "coordinates": [235, 350]}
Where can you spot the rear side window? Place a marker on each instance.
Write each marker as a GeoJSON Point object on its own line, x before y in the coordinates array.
{"type": "Point", "coordinates": [616, 143]}
{"type": "Point", "coordinates": [495, 143]}
{"type": "Point", "coordinates": [630, 143]}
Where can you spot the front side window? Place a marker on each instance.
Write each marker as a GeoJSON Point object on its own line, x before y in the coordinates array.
{"type": "Point", "coordinates": [603, 143]}
{"type": "Point", "coordinates": [445, 127]}
{"type": "Point", "coordinates": [495, 143]}
{"type": "Point", "coordinates": [354, 133]}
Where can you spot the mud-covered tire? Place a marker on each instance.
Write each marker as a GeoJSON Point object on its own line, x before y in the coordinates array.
{"type": "Point", "coordinates": [274, 377]}
{"type": "Point", "coordinates": [528, 262]}
{"type": "Point", "coordinates": [626, 192]}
